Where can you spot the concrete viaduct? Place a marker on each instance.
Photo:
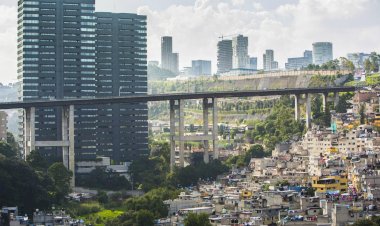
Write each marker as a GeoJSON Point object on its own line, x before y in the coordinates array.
{"type": "Point", "coordinates": [176, 117]}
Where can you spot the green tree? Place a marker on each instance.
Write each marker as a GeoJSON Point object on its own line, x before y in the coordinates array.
{"type": "Point", "coordinates": [362, 114]}
{"type": "Point", "coordinates": [368, 66]}
{"type": "Point", "coordinates": [193, 219]}
{"type": "Point", "coordinates": [364, 222]}
{"type": "Point", "coordinates": [21, 186]}
{"type": "Point", "coordinates": [102, 197]}
{"type": "Point", "coordinates": [61, 178]}
{"type": "Point", "coordinates": [12, 142]}
{"type": "Point", "coordinates": [7, 150]}
{"type": "Point", "coordinates": [101, 178]}
{"type": "Point", "coordinates": [37, 161]}
{"type": "Point", "coordinates": [144, 218]}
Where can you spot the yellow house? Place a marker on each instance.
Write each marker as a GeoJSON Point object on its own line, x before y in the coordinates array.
{"type": "Point", "coordinates": [246, 194]}
{"type": "Point", "coordinates": [376, 122]}
{"type": "Point", "coordinates": [333, 150]}
{"type": "Point", "coordinates": [330, 183]}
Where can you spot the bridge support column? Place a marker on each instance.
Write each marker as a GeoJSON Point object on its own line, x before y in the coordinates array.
{"type": "Point", "coordinates": [336, 99]}
{"type": "Point", "coordinates": [29, 131]}
{"type": "Point", "coordinates": [68, 139]}
{"type": "Point", "coordinates": [181, 133]}
{"type": "Point", "coordinates": [172, 134]}
{"type": "Point", "coordinates": [206, 155]}
{"type": "Point", "coordinates": [297, 110]}
{"type": "Point", "coordinates": [67, 142]}
{"type": "Point", "coordinates": [215, 128]}
{"type": "Point", "coordinates": [324, 101]}
{"type": "Point", "coordinates": [308, 110]}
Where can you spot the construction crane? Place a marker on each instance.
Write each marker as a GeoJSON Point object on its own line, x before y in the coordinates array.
{"type": "Point", "coordinates": [225, 36]}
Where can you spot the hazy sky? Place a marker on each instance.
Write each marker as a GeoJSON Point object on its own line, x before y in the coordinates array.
{"type": "Point", "coordinates": [286, 26]}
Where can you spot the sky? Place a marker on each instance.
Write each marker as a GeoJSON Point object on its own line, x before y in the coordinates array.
{"type": "Point", "coordinates": [287, 26]}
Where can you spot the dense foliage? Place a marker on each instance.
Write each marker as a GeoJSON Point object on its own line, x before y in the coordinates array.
{"type": "Point", "coordinates": [21, 186]}
{"type": "Point", "coordinates": [197, 220]}
{"type": "Point", "coordinates": [141, 211]}
{"type": "Point", "coordinates": [255, 151]}
{"type": "Point", "coordinates": [279, 126]}
{"type": "Point", "coordinates": [374, 221]}
{"type": "Point", "coordinates": [7, 150]}
{"type": "Point", "coordinates": [190, 175]}
{"type": "Point", "coordinates": [32, 184]}
{"type": "Point", "coordinates": [101, 178]}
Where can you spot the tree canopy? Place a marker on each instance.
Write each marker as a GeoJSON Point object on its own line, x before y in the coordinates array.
{"type": "Point", "coordinates": [193, 219]}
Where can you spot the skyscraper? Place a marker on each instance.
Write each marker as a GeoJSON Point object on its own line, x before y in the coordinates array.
{"type": "Point", "coordinates": [66, 52]}
{"type": "Point", "coordinates": [56, 60]}
{"type": "Point", "coordinates": [240, 52]}
{"type": "Point", "coordinates": [169, 60]}
{"type": "Point", "coordinates": [224, 56]}
{"type": "Point", "coordinates": [322, 52]}
{"type": "Point", "coordinates": [201, 67]}
{"type": "Point", "coordinates": [121, 70]}
{"type": "Point", "coordinates": [268, 61]}
{"type": "Point", "coordinates": [300, 62]}
{"type": "Point", "coordinates": [253, 63]}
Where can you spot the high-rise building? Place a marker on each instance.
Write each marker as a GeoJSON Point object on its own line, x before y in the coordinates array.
{"type": "Point", "coordinates": [121, 70]}
{"type": "Point", "coordinates": [169, 60]}
{"type": "Point", "coordinates": [65, 52]}
{"type": "Point", "coordinates": [240, 52]}
{"type": "Point", "coordinates": [253, 63]}
{"type": "Point", "coordinates": [358, 58]}
{"type": "Point", "coordinates": [322, 52]}
{"type": "Point", "coordinates": [268, 61]}
{"type": "Point", "coordinates": [224, 56]}
{"type": "Point", "coordinates": [201, 67]}
{"type": "Point", "coordinates": [300, 62]}
{"type": "Point", "coordinates": [3, 126]}
{"type": "Point", "coordinates": [56, 60]}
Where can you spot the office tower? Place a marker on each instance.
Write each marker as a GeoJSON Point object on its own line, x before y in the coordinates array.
{"type": "Point", "coordinates": [175, 63]}
{"type": "Point", "coordinates": [224, 56]}
{"type": "Point", "coordinates": [121, 70]}
{"type": "Point", "coordinates": [240, 52]}
{"type": "Point", "coordinates": [169, 60]}
{"type": "Point", "coordinates": [56, 60]}
{"type": "Point", "coordinates": [201, 67]}
{"type": "Point", "coordinates": [358, 59]}
{"type": "Point", "coordinates": [253, 63]}
{"type": "Point", "coordinates": [268, 61]}
{"type": "Point", "coordinates": [300, 62]}
{"type": "Point", "coordinates": [322, 52]}
{"type": "Point", "coordinates": [3, 126]}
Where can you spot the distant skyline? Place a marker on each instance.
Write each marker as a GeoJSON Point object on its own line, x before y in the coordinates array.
{"type": "Point", "coordinates": [288, 27]}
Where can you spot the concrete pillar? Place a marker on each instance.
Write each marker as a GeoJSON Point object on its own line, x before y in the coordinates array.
{"type": "Point", "coordinates": [206, 156]}
{"type": "Point", "coordinates": [324, 101]}
{"type": "Point", "coordinates": [297, 110]}
{"type": "Point", "coordinates": [181, 132]}
{"type": "Point", "coordinates": [308, 111]}
{"type": "Point", "coordinates": [26, 132]}
{"type": "Point", "coordinates": [29, 130]}
{"type": "Point", "coordinates": [215, 128]}
{"type": "Point", "coordinates": [65, 136]}
{"type": "Point", "coordinates": [172, 134]}
{"type": "Point", "coordinates": [32, 129]}
{"type": "Point", "coordinates": [71, 144]}
{"type": "Point", "coordinates": [336, 99]}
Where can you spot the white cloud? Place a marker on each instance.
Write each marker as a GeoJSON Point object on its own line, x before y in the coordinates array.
{"type": "Point", "coordinates": [8, 43]}
{"type": "Point", "coordinates": [289, 29]}
{"type": "Point", "coordinates": [352, 25]}
{"type": "Point", "coordinates": [238, 2]}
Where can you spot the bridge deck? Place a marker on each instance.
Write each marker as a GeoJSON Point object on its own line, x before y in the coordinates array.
{"type": "Point", "coordinates": [171, 96]}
